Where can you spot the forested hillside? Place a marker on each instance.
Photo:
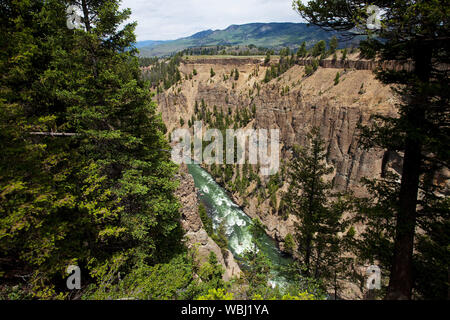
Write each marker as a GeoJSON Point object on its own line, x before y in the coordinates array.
{"type": "Point", "coordinates": [265, 35]}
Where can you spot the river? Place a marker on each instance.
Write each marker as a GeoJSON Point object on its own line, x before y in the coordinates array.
{"type": "Point", "coordinates": [222, 209]}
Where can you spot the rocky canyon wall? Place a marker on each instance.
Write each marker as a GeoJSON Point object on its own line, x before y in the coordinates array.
{"type": "Point", "coordinates": [196, 236]}
{"type": "Point", "coordinates": [293, 103]}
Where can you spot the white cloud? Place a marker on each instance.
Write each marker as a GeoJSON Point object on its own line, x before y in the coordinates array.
{"type": "Point", "coordinates": [172, 19]}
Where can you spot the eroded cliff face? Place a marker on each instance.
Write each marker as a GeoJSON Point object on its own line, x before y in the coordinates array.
{"type": "Point", "coordinates": [196, 235]}
{"type": "Point", "coordinates": [294, 104]}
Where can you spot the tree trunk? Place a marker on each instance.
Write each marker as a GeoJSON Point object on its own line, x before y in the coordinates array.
{"type": "Point", "coordinates": [308, 253]}
{"type": "Point", "coordinates": [308, 223]}
{"type": "Point", "coordinates": [401, 279]}
{"type": "Point", "coordinates": [87, 22]}
{"type": "Point", "coordinates": [448, 281]}
{"type": "Point", "coordinates": [335, 284]}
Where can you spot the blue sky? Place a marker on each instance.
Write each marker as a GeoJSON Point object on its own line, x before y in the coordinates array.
{"type": "Point", "coordinates": [173, 19]}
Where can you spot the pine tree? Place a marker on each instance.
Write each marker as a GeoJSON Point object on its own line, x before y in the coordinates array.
{"type": "Point", "coordinates": [344, 54]}
{"type": "Point", "coordinates": [207, 222]}
{"type": "Point", "coordinates": [301, 52]}
{"type": "Point", "coordinates": [211, 272]}
{"type": "Point", "coordinates": [319, 48]}
{"type": "Point", "coordinates": [101, 196]}
{"type": "Point", "coordinates": [196, 110]}
{"type": "Point", "coordinates": [236, 74]}
{"type": "Point", "coordinates": [259, 266]}
{"type": "Point", "coordinates": [336, 79]}
{"type": "Point", "coordinates": [289, 243]}
{"type": "Point", "coordinates": [333, 45]}
{"type": "Point", "coordinates": [320, 248]}
{"type": "Point", "coordinates": [267, 58]}
{"type": "Point", "coordinates": [220, 237]}
{"type": "Point", "coordinates": [307, 194]}
{"type": "Point", "coordinates": [416, 31]}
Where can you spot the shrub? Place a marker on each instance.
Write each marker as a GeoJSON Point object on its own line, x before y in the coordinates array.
{"type": "Point", "coordinates": [336, 79]}
{"type": "Point", "coordinates": [289, 244]}
{"type": "Point", "coordinates": [319, 48]}
{"type": "Point", "coordinates": [344, 54]}
{"type": "Point", "coordinates": [217, 294]}
{"type": "Point", "coordinates": [207, 222]}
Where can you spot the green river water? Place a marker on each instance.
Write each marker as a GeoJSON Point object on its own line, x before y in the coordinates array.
{"type": "Point", "coordinates": [222, 209]}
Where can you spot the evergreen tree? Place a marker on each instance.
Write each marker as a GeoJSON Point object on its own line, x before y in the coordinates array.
{"type": "Point", "coordinates": [207, 222]}
{"type": "Point", "coordinates": [289, 243]}
{"type": "Point", "coordinates": [100, 196]}
{"type": "Point", "coordinates": [336, 79]}
{"type": "Point", "coordinates": [267, 58]}
{"type": "Point", "coordinates": [307, 195]}
{"type": "Point", "coordinates": [196, 110]}
{"type": "Point", "coordinates": [344, 54]}
{"type": "Point", "coordinates": [236, 74]}
{"type": "Point", "coordinates": [333, 45]}
{"type": "Point", "coordinates": [319, 48]}
{"type": "Point", "coordinates": [211, 273]}
{"type": "Point", "coordinates": [377, 214]}
{"type": "Point", "coordinates": [301, 52]}
{"type": "Point", "coordinates": [220, 237]}
{"type": "Point", "coordinates": [416, 31]}
{"type": "Point", "coordinates": [320, 246]}
{"type": "Point", "coordinates": [258, 265]}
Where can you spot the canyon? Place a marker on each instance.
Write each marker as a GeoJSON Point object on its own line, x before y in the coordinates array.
{"type": "Point", "coordinates": [315, 100]}
{"type": "Point", "coordinates": [293, 103]}
{"type": "Point", "coordinates": [195, 234]}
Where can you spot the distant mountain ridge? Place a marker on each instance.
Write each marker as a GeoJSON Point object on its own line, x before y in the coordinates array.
{"type": "Point", "coordinates": [148, 43]}
{"type": "Point", "coordinates": [268, 35]}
